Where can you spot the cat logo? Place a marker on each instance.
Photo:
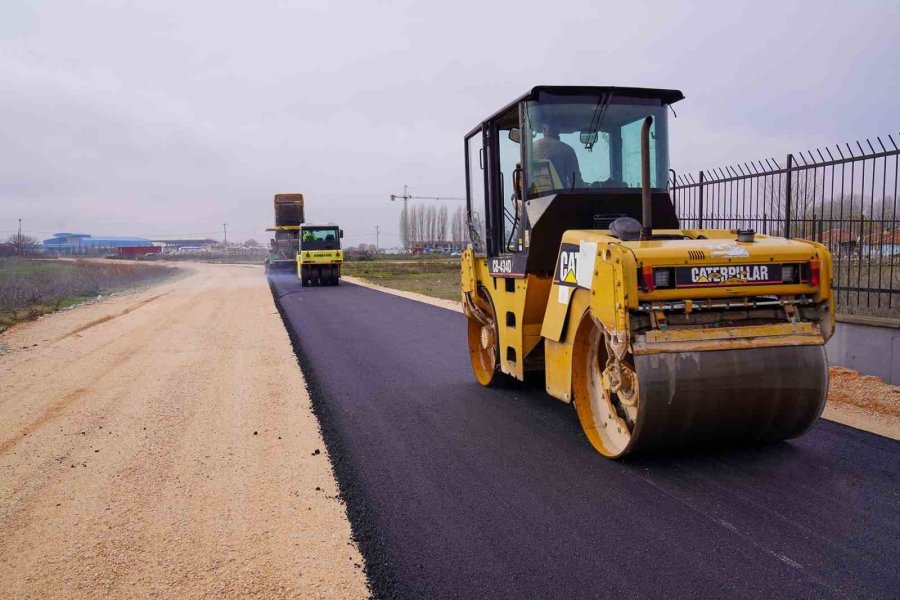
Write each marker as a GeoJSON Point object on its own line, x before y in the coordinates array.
{"type": "Point", "coordinates": [724, 275]}
{"type": "Point", "coordinates": [567, 265]}
{"type": "Point", "coordinates": [728, 275]}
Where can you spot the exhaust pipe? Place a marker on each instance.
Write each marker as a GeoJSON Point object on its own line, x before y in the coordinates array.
{"type": "Point", "coordinates": [646, 206]}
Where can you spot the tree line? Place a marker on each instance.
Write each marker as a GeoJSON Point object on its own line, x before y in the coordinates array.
{"type": "Point", "coordinates": [432, 224]}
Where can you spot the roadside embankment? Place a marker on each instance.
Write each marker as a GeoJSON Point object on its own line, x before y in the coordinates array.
{"type": "Point", "coordinates": [162, 444]}
{"type": "Point", "coordinates": [30, 288]}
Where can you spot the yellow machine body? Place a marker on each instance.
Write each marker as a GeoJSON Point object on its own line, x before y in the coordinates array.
{"type": "Point", "coordinates": [546, 323]}
{"type": "Point", "coordinates": [319, 257]}
{"type": "Point", "coordinates": [283, 245]}
{"type": "Point", "coordinates": [660, 336]}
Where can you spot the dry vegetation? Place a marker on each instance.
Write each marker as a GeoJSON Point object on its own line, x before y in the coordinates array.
{"type": "Point", "coordinates": [32, 287]}
{"type": "Point", "coordinates": [436, 276]}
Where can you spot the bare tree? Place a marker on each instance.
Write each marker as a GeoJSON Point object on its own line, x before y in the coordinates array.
{"type": "Point", "coordinates": [404, 228]}
{"type": "Point", "coordinates": [415, 223]}
{"type": "Point", "coordinates": [458, 227]}
{"type": "Point", "coordinates": [430, 222]}
{"type": "Point", "coordinates": [420, 223]}
{"type": "Point", "coordinates": [441, 224]}
{"type": "Point", "coordinates": [23, 244]}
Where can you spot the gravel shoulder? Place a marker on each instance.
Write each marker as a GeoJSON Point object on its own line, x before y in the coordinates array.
{"type": "Point", "coordinates": [162, 444]}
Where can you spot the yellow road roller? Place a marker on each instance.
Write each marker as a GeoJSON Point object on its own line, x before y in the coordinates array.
{"type": "Point", "coordinates": [579, 268]}
{"type": "Point", "coordinates": [319, 255]}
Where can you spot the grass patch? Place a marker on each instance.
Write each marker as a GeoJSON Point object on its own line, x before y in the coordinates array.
{"type": "Point", "coordinates": [438, 277]}
{"type": "Point", "coordinates": [30, 288]}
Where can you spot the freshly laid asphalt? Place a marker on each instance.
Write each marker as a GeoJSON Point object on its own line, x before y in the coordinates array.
{"type": "Point", "coordinates": [457, 491]}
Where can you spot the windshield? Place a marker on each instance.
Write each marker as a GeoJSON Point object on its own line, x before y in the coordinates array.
{"type": "Point", "coordinates": [320, 238]}
{"type": "Point", "coordinates": [588, 142]}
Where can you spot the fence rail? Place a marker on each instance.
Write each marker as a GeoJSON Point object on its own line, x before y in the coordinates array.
{"type": "Point", "coordinates": [844, 197]}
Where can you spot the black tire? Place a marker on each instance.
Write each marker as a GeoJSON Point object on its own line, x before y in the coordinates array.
{"type": "Point", "coordinates": [317, 276]}
{"type": "Point", "coordinates": [335, 278]}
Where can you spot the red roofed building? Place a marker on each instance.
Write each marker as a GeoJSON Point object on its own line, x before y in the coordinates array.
{"type": "Point", "coordinates": [838, 241]}
{"type": "Point", "coordinates": [883, 243]}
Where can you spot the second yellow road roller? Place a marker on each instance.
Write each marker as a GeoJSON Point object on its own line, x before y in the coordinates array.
{"type": "Point", "coordinates": [579, 268]}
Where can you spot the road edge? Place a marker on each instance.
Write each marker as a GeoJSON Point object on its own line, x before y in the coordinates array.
{"type": "Point", "coordinates": [380, 577]}
{"type": "Point", "coordinates": [439, 302]}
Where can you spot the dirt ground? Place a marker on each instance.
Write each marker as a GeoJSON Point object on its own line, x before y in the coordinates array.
{"type": "Point", "coordinates": [161, 444]}
{"type": "Point", "coordinates": [863, 401]}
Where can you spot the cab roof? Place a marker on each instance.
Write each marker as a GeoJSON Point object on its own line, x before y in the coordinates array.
{"type": "Point", "coordinates": [666, 96]}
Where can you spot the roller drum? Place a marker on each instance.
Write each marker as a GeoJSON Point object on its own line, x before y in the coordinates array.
{"type": "Point", "coordinates": [746, 395]}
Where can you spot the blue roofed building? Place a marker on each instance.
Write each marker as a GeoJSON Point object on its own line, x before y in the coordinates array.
{"type": "Point", "coordinates": [84, 243]}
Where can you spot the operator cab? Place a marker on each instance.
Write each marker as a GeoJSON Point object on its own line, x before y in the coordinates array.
{"type": "Point", "coordinates": [320, 237]}
{"type": "Point", "coordinates": [562, 158]}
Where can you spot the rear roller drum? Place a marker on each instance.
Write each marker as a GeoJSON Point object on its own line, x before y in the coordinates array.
{"type": "Point", "coordinates": [753, 395]}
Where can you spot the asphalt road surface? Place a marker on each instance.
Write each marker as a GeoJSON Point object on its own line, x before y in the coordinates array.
{"type": "Point", "coordinates": [456, 491]}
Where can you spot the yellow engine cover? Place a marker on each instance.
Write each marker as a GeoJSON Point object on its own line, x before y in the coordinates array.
{"type": "Point", "coordinates": [320, 257]}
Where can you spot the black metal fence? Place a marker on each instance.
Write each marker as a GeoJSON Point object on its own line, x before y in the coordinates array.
{"type": "Point", "coordinates": [844, 197]}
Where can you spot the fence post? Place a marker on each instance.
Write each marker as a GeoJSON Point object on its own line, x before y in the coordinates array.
{"type": "Point", "coordinates": [787, 197]}
{"type": "Point", "coordinates": [700, 203]}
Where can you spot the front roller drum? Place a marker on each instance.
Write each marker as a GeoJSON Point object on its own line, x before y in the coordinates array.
{"type": "Point", "coordinates": [654, 401]}
{"type": "Point", "coordinates": [483, 352]}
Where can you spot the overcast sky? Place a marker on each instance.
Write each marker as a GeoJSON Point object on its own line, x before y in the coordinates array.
{"type": "Point", "coordinates": [170, 117]}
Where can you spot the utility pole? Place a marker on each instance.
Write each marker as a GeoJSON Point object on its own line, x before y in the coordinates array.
{"type": "Point", "coordinates": [19, 239]}
{"type": "Point", "coordinates": [225, 229]}
{"type": "Point", "coordinates": [377, 232]}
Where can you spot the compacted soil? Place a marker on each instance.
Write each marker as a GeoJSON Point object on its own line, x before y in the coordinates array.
{"type": "Point", "coordinates": [161, 444]}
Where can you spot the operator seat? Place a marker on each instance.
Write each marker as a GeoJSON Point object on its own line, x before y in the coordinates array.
{"type": "Point", "coordinates": [544, 177]}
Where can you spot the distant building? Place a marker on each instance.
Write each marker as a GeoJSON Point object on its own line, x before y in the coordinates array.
{"type": "Point", "coordinates": [185, 244]}
{"type": "Point", "coordinates": [839, 241]}
{"type": "Point", "coordinates": [436, 247]}
{"type": "Point", "coordinates": [133, 251]}
{"type": "Point", "coordinates": [84, 243]}
{"type": "Point", "coordinates": [885, 243]}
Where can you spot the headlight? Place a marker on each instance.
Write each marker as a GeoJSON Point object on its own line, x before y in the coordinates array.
{"type": "Point", "coordinates": [790, 273]}
{"type": "Point", "coordinates": [663, 278]}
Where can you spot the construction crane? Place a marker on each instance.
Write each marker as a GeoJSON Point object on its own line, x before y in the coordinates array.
{"type": "Point", "coordinates": [406, 197]}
